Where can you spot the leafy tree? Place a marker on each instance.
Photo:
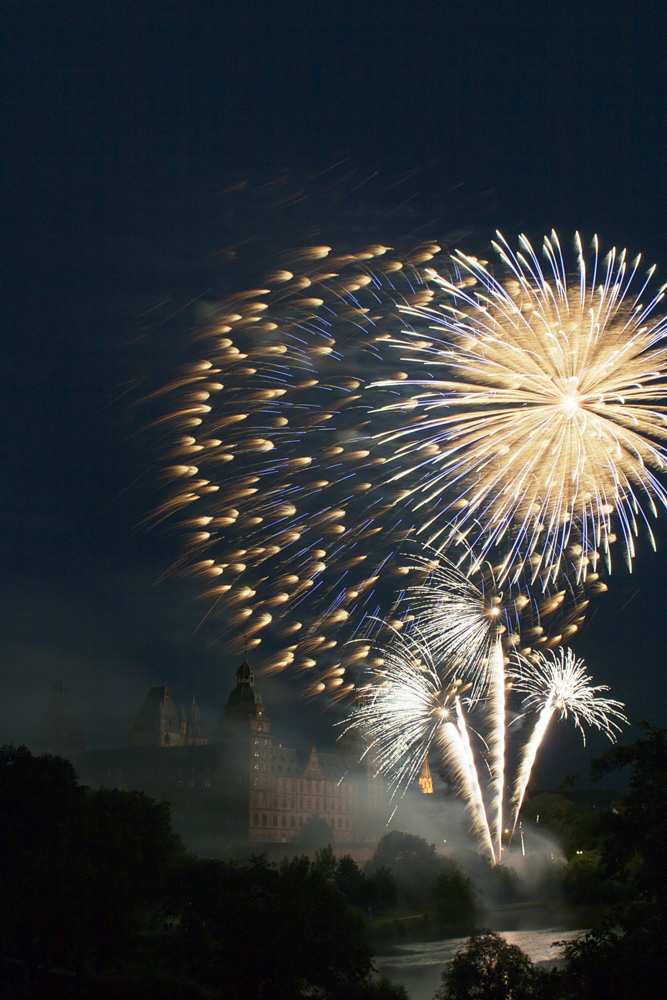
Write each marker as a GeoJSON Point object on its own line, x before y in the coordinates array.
{"type": "Point", "coordinates": [568, 821]}
{"type": "Point", "coordinates": [455, 897]}
{"type": "Point", "coordinates": [635, 833]}
{"type": "Point", "coordinates": [78, 869]}
{"type": "Point", "coordinates": [325, 862]}
{"type": "Point", "coordinates": [352, 882]}
{"type": "Point", "coordinates": [593, 967]}
{"type": "Point", "coordinates": [633, 855]}
{"type": "Point", "coordinates": [382, 890]}
{"type": "Point", "coordinates": [380, 989]}
{"type": "Point", "coordinates": [489, 968]}
{"type": "Point", "coordinates": [396, 849]}
{"type": "Point", "coordinates": [584, 879]}
{"type": "Point", "coordinates": [40, 805]}
{"type": "Point", "coordinates": [414, 865]}
{"type": "Point", "coordinates": [265, 931]}
{"type": "Point", "coordinates": [610, 961]}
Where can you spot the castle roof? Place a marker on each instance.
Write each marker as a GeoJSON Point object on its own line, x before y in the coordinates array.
{"type": "Point", "coordinates": [57, 730]}
{"type": "Point", "coordinates": [194, 729]}
{"type": "Point", "coordinates": [156, 717]}
{"type": "Point", "coordinates": [244, 699]}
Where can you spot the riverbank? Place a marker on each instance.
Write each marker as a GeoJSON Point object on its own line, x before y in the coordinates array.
{"type": "Point", "coordinates": [419, 965]}
{"type": "Point", "coordinates": [392, 933]}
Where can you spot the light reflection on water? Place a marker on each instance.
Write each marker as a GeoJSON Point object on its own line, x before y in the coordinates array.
{"type": "Point", "coordinates": [419, 965]}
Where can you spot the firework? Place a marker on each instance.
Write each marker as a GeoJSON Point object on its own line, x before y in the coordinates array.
{"type": "Point", "coordinates": [411, 707]}
{"type": "Point", "coordinates": [538, 421]}
{"type": "Point", "coordinates": [270, 468]}
{"type": "Point", "coordinates": [497, 740]}
{"type": "Point", "coordinates": [303, 465]}
{"type": "Point", "coordinates": [462, 612]}
{"type": "Point", "coordinates": [403, 709]}
{"type": "Point", "coordinates": [556, 684]}
{"type": "Point", "coordinates": [461, 750]}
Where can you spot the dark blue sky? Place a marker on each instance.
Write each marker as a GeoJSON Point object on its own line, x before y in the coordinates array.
{"type": "Point", "coordinates": [125, 133]}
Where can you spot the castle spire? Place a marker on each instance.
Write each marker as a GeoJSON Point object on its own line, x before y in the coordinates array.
{"type": "Point", "coordinates": [426, 779]}
{"type": "Point", "coordinates": [57, 731]}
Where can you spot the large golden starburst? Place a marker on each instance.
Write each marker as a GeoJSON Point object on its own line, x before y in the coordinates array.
{"type": "Point", "coordinates": [539, 423]}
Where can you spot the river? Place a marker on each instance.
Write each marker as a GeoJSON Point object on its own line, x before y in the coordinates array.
{"type": "Point", "coordinates": [419, 965]}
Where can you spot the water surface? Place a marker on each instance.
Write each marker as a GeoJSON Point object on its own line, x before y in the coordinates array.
{"type": "Point", "coordinates": [419, 965]}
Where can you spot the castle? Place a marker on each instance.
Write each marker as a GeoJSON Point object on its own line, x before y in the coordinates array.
{"type": "Point", "coordinates": [242, 789]}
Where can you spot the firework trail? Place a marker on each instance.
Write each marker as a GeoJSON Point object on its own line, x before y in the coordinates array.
{"type": "Point", "coordinates": [403, 709]}
{"type": "Point", "coordinates": [469, 782]}
{"type": "Point", "coordinates": [556, 684]}
{"type": "Point", "coordinates": [549, 415]}
{"type": "Point", "coordinates": [497, 740]}
{"type": "Point", "coordinates": [411, 707]}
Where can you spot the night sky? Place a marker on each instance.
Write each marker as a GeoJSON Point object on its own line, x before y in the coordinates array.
{"type": "Point", "coordinates": [157, 156]}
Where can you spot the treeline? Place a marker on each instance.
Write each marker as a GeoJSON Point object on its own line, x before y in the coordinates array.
{"type": "Point", "coordinates": [98, 898]}
{"type": "Point", "coordinates": [623, 862]}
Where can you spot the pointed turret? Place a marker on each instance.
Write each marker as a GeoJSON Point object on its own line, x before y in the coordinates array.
{"type": "Point", "coordinates": [194, 735]}
{"type": "Point", "coordinates": [426, 779]}
{"type": "Point", "coordinates": [313, 767]}
{"type": "Point", "coordinates": [245, 700]}
{"type": "Point", "coordinates": [157, 722]}
{"type": "Point", "coordinates": [57, 731]}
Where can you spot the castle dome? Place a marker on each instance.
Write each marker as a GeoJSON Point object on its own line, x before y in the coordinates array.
{"type": "Point", "coordinates": [244, 699]}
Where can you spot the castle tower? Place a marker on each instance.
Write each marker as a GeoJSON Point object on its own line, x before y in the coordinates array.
{"type": "Point", "coordinates": [244, 737]}
{"type": "Point", "coordinates": [426, 779]}
{"type": "Point", "coordinates": [244, 707]}
{"type": "Point", "coordinates": [194, 734]}
{"type": "Point", "coordinates": [57, 731]}
{"type": "Point", "coordinates": [157, 723]}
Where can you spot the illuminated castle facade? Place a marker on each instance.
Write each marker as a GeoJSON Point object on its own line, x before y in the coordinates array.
{"type": "Point", "coordinates": [240, 789]}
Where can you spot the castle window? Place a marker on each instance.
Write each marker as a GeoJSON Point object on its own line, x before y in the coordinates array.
{"type": "Point", "coordinates": [284, 823]}
{"type": "Point", "coordinates": [309, 806]}
{"type": "Point", "coordinates": [275, 820]}
{"type": "Point", "coordinates": [292, 803]}
{"type": "Point", "coordinates": [264, 819]}
{"type": "Point", "coordinates": [255, 819]}
{"type": "Point", "coordinates": [284, 802]}
{"type": "Point", "coordinates": [265, 800]}
{"type": "Point", "coordinates": [347, 823]}
{"type": "Point", "coordinates": [192, 782]}
{"type": "Point", "coordinates": [255, 782]}
{"type": "Point", "coordinates": [207, 782]}
{"type": "Point", "coordinates": [300, 803]}
{"type": "Point", "coordinates": [340, 822]}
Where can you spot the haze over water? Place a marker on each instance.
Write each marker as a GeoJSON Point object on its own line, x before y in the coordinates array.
{"type": "Point", "coordinates": [419, 966]}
